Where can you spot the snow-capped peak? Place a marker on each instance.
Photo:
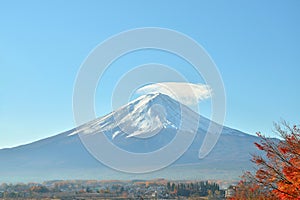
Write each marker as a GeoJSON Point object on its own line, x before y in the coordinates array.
{"type": "Point", "coordinates": [142, 117]}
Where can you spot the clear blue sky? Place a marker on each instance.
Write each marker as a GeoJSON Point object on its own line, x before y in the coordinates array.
{"type": "Point", "coordinates": [255, 44]}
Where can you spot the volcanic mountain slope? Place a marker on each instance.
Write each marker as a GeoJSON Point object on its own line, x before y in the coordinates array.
{"type": "Point", "coordinates": [143, 125]}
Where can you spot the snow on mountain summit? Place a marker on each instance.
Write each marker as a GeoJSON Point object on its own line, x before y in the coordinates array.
{"type": "Point", "coordinates": [143, 117]}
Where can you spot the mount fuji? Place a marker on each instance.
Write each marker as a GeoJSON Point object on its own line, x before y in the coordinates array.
{"type": "Point", "coordinates": [143, 125]}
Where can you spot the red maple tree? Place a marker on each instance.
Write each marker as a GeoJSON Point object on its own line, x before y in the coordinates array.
{"type": "Point", "coordinates": [279, 171]}
{"type": "Point", "coordinates": [248, 189]}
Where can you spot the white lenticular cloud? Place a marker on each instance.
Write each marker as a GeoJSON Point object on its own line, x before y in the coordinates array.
{"type": "Point", "coordinates": [187, 93]}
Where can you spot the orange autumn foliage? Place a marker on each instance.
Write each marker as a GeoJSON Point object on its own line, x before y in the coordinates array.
{"type": "Point", "coordinates": [278, 173]}
{"type": "Point", "coordinates": [248, 189]}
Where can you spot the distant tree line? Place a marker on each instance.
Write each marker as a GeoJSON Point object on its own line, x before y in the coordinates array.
{"type": "Point", "coordinates": [202, 188]}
